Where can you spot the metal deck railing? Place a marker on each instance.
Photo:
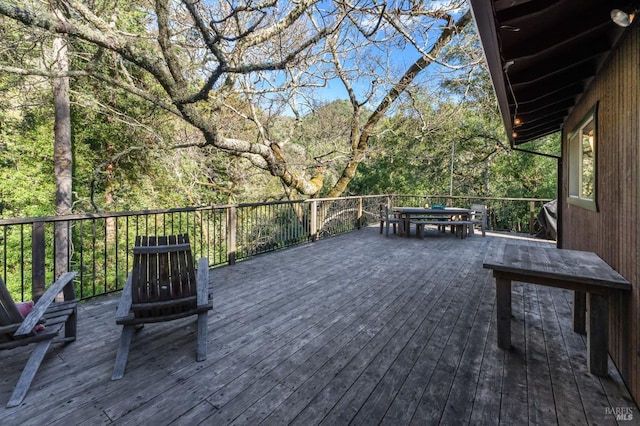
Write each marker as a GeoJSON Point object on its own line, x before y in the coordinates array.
{"type": "Point", "coordinates": [99, 245]}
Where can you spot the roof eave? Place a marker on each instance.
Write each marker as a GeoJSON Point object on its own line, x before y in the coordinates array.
{"type": "Point", "coordinates": [485, 24]}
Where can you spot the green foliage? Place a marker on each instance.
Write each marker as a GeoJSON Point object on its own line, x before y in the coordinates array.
{"type": "Point", "coordinates": [466, 158]}
{"type": "Point", "coordinates": [270, 227]}
{"type": "Point", "coordinates": [444, 137]}
{"type": "Point", "coordinates": [321, 137]}
{"type": "Point", "coordinates": [26, 164]}
{"type": "Point", "coordinates": [523, 174]}
{"type": "Point", "coordinates": [449, 139]}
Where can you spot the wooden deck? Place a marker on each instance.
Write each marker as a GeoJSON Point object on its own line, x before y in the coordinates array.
{"type": "Point", "coordinates": [359, 329]}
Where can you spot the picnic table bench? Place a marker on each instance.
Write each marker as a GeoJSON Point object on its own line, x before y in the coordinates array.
{"type": "Point", "coordinates": [581, 271]}
{"type": "Point", "coordinates": [459, 226]}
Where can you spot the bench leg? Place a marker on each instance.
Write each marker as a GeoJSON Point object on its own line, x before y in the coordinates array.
{"type": "Point", "coordinates": [579, 308]}
{"type": "Point", "coordinates": [598, 335]}
{"type": "Point", "coordinates": [202, 337]}
{"type": "Point", "coordinates": [503, 308]}
{"type": "Point", "coordinates": [420, 230]}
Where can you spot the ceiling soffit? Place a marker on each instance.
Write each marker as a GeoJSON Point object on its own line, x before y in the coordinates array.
{"type": "Point", "coordinates": [543, 55]}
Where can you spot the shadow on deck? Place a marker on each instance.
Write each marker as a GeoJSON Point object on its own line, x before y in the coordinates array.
{"type": "Point", "coordinates": [358, 328]}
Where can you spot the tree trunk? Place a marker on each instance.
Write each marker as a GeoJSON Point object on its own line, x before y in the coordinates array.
{"type": "Point", "coordinates": [63, 160]}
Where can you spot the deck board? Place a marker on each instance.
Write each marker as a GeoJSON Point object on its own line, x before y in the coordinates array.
{"type": "Point", "coordinates": [356, 329]}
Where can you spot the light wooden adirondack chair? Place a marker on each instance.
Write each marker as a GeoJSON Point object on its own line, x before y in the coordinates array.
{"type": "Point", "coordinates": [162, 286]}
{"type": "Point", "coordinates": [479, 217]}
{"type": "Point", "coordinates": [16, 330]}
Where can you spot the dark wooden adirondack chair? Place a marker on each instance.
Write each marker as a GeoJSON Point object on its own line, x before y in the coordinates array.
{"type": "Point", "coordinates": [41, 326]}
{"type": "Point", "coordinates": [162, 286]}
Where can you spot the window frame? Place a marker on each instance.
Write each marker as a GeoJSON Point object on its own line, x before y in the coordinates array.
{"type": "Point", "coordinates": [575, 140]}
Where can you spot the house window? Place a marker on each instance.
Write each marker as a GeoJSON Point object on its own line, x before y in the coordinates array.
{"type": "Point", "coordinates": [582, 162]}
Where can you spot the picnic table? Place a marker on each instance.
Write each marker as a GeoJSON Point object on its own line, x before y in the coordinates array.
{"type": "Point", "coordinates": [448, 216]}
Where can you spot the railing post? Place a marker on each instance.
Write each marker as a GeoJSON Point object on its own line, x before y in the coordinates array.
{"type": "Point", "coordinates": [37, 260]}
{"type": "Point", "coordinates": [61, 252]}
{"type": "Point", "coordinates": [532, 218]}
{"type": "Point", "coordinates": [232, 229]}
{"type": "Point", "coordinates": [313, 225]}
{"type": "Point", "coordinates": [360, 213]}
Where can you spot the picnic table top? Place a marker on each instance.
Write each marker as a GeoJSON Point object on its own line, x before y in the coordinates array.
{"type": "Point", "coordinates": [424, 210]}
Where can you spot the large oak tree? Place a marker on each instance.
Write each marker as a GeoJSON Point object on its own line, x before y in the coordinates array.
{"type": "Point", "coordinates": [205, 61]}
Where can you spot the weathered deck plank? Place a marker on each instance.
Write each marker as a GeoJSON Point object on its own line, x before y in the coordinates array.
{"type": "Point", "coordinates": [359, 329]}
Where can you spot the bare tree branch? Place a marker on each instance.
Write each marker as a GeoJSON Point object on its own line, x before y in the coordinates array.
{"type": "Point", "coordinates": [229, 69]}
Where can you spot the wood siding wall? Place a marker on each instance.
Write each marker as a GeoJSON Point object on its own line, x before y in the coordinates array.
{"type": "Point", "coordinates": [612, 232]}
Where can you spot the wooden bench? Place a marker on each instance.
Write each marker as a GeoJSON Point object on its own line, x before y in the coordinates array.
{"type": "Point", "coordinates": [460, 227]}
{"type": "Point", "coordinates": [583, 272]}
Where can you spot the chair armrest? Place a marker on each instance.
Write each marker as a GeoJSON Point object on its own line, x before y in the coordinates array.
{"type": "Point", "coordinates": [124, 304]}
{"type": "Point", "coordinates": [45, 300]}
{"type": "Point", "coordinates": [202, 281]}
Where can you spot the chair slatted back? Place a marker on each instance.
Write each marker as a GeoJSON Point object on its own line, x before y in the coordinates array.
{"type": "Point", "coordinates": [163, 276]}
{"type": "Point", "coordinates": [479, 211]}
{"type": "Point", "coordinates": [9, 313]}
{"type": "Point", "coordinates": [385, 214]}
